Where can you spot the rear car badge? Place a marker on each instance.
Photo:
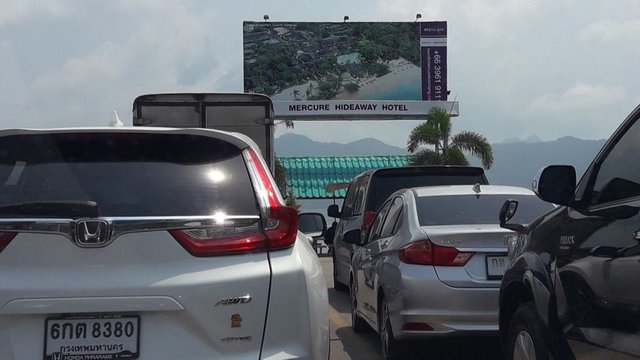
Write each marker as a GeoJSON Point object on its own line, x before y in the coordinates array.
{"type": "Point", "coordinates": [92, 232]}
{"type": "Point", "coordinates": [235, 300]}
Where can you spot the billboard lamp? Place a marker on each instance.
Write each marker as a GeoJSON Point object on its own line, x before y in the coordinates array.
{"type": "Point", "coordinates": [345, 18]}
{"type": "Point", "coordinates": [418, 17]}
{"type": "Point", "coordinates": [266, 18]}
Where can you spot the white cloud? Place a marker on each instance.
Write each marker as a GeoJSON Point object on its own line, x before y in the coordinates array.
{"type": "Point", "coordinates": [611, 31]}
{"type": "Point", "coordinates": [579, 97]}
{"type": "Point", "coordinates": [406, 10]}
{"type": "Point", "coordinates": [490, 17]}
{"type": "Point", "coordinates": [160, 55]}
{"type": "Point", "coordinates": [17, 11]}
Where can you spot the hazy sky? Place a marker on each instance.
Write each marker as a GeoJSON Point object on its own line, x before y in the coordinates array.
{"type": "Point", "coordinates": [549, 68]}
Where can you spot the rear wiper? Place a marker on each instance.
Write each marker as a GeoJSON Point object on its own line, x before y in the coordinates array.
{"type": "Point", "coordinates": [66, 209]}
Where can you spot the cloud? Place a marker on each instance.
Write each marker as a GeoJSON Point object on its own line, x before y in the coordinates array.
{"type": "Point", "coordinates": [16, 11]}
{"type": "Point", "coordinates": [611, 31]}
{"type": "Point", "coordinates": [491, 17]}
{"type": "Point", "coordinates": [579, 97]}
{"type": "Point", "coordinates": [168, 50]}
{"type": "Point", "coordinates": [406, 10]}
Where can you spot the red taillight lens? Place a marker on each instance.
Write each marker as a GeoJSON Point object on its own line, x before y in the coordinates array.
{"type": "Point", "coordinates": [5, 239]}
{"type": "Point", "coordinates": [279, 231]}
{"type": "Point", "coordinates": [367, 219]}
{"type": "Point", "coordinates": [284, 234]}
{"type": "Point", "coordinates": [200, 243]}
{"type": "Point", "coordinates": [426, 253]}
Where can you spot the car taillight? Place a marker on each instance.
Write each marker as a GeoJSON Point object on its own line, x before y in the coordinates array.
{"type": "Point", "coordinates": [5, 239]}
{"type": "Point", "coordinates": [367, 219]}
{"type": "Point", "coordinates": [279, 231]}
{"type": "Point", "coordinates": [427, 253]}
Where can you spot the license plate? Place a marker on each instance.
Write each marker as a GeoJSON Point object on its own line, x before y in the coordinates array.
{"type": "Point", "coordinates": [93, 337]}
{"type": "Point", "coordinates": [496, 266]}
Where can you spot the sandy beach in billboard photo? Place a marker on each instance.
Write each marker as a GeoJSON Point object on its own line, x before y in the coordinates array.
{"type": "Point", "coordinates": [401, 72]}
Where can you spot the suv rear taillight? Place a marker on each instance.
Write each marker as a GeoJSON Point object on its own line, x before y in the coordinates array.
{"type": "Point", "coordinates": [367, 219]}
{"type": "Point", "coordinates": [278, 231]}
{"type": "Point", "coordinates": [5, 239]}
{"type": "Point", "coordinates": [427, 253]}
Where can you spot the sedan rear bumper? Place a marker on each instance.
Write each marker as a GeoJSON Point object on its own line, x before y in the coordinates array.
{"type": "Point", "coordinates": [447, 311]}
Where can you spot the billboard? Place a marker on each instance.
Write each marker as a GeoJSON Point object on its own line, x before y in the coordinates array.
{"type": "Point", "coordinates": [433, 52]}
{"type": "Point", "coordinates": [310, 61]}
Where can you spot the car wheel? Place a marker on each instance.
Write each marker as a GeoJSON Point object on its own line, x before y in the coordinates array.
{"type": "Point", "coordinates": [357, 323]}
{"type": "Point", "coordinates": [337, 284]}
{"type": "Point", "coordinates": [526, 338]}
{"type": "Point", "coordinates": [390, 346]}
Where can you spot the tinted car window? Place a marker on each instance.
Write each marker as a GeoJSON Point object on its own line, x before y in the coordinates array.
{"type": "Point", "coordinates": [471, 209]}
{"type": "Point", "coordinates": [347, 205]}
{"type": "Point", "coordinates": [376, 226]}
{"type": "Point", "coordinates": [619, 173]}
{"type": "Point", "coordinates": [127, 174]}
{"type": "Point", "coordinates": [385, 184]}
{"type": "Point", "coordinates": [360, 190]}
{"type": "Point", "coordinates": [394, 212]}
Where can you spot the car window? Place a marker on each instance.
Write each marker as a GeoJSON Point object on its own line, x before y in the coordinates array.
{"type": "Point", "coordinates": [472, 209]}
{"type": "Point", "coordinates": [383, 185]}
{"type": "Point", "coordinates": [347, 206]}
{"type": "Point", "coordinates": [389, 226]}
{"type": "Point", "coordinates": [129, 174]}
{"type": "Point", "coordinates": [618, 176]}
{"type": "Point", "coordinates": [376, 226]}
{"type": "Point", "coordinates": [360, 194]}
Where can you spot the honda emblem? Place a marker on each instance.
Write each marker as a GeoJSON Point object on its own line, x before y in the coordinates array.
{"type": "Point", "coordinates": [92, 232]}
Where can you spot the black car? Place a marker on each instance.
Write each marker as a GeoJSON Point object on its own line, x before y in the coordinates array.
{"type": "Point", "coordinates": [572, 290]}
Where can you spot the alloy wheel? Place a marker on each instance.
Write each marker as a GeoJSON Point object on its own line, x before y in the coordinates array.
{"type": "Point", "coordinates": [387, 341]}
{"type": "Point", "coordinates": [523, 348]}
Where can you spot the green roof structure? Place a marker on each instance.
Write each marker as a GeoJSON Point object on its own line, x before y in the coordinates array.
{"type": "Point", "coordinates": [308, 177]}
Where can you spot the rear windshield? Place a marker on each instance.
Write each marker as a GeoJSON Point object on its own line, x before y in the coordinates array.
{"type": "Point", "coordinates": [471, 209]}
{"type": "Point", "coordinates": [126, 174]}
{"type": "Point", "coordinates": [384, 184]}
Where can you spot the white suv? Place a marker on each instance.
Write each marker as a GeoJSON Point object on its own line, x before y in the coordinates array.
{"type": "Point", "coordinates": [151, 243]}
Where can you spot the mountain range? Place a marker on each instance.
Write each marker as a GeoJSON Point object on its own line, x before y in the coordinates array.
{"type": "Point", "coordinates": [515, 162]}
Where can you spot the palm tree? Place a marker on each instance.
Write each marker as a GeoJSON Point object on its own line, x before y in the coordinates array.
{"type": "Point", "coordinates": [447, 149]}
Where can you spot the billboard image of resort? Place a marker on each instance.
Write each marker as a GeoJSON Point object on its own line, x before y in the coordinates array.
{"type": "Point", "coordinates": [333, 61]}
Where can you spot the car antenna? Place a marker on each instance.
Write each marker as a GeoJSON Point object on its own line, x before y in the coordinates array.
{"type": "Point", "coordinates": [115, 120]}
{"type": "Point", "coordinates": [476, 188]}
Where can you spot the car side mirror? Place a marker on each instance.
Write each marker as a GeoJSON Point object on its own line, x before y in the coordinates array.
{"type": "Point", "coordinates": [333, 211]}
{"type": "Point", "coordinates": [556, 184]}
{"type": "Point", "coordinates": [352, 237]}
{"type": "Point", "coordinates": [507, 211]}
{"type": "Point", "coordinates": [312, 223]}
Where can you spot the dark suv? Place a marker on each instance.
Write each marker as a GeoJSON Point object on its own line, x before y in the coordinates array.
{"type": "Point", "coordinates": [371, 188]}
{"type": "Point", "coordinates": [572, 289]}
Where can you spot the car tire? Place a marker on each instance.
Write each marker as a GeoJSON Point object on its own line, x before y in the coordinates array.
{"type": "Point", "coordinates": [337, 285]}
{"type": "Point", "coordinates": [391, 348]}
{"type": "Point", "coordinates": [526, 339]}
{"type": "Point", "coordinates": [357, 323]}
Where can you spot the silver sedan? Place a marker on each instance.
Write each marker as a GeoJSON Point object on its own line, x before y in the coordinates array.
{"type": "Point", "coordinates": [432, 262]}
